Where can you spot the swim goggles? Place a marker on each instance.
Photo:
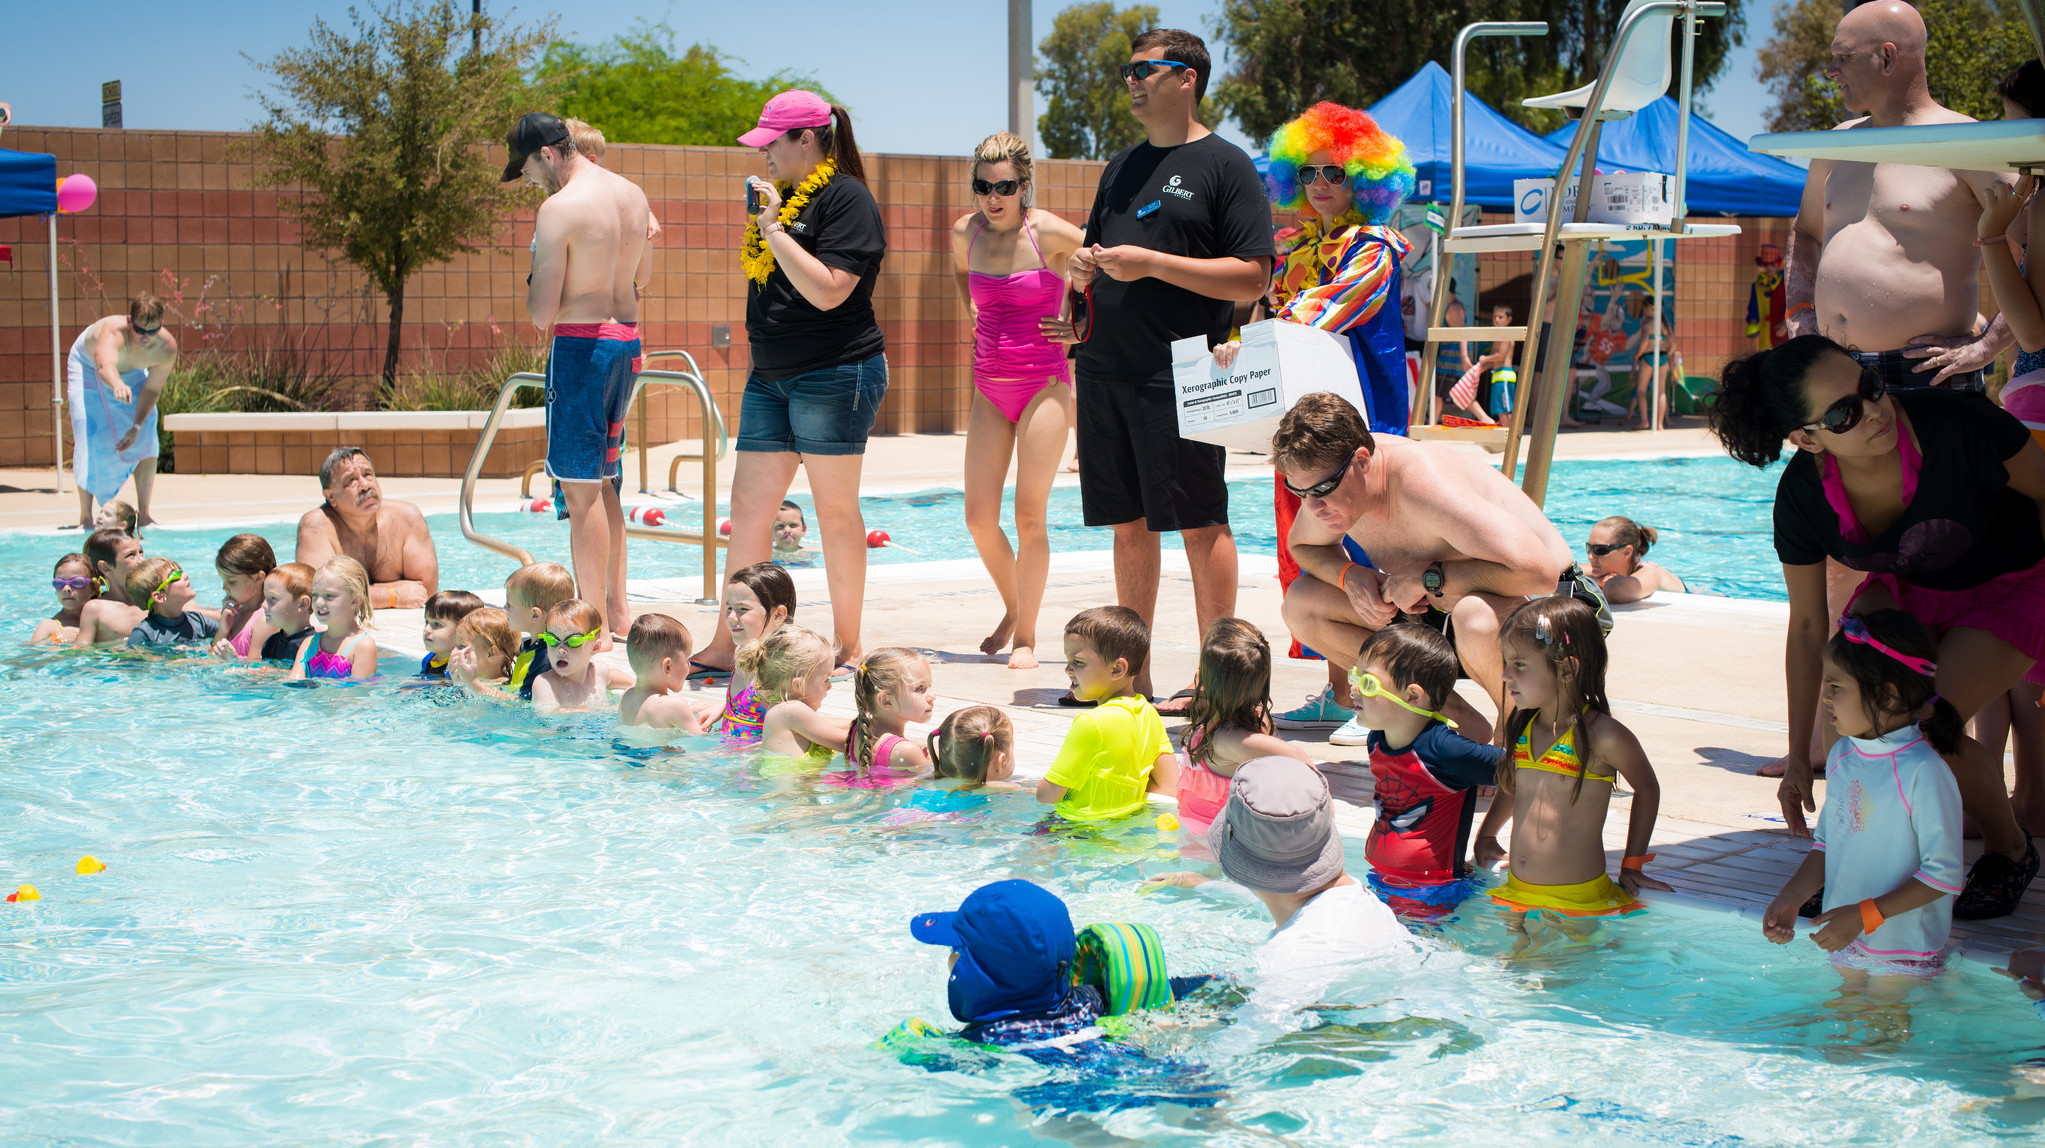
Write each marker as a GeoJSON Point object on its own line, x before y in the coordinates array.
{"type": "Point", "coordinates": [1367, 685]}
{"type": "Point", "coordinates": [1326, 486]}
{"type": "Point", "coordinates": [573, 642]}
{"type": "Point", "coordinates": [1005, 187]}
{"type": "Point", "coordinates": [177, 574]}
{"type": "Point", "coordinates": [1330, 174]}
{"type": "Point", "coordinates": [69, 583]}
{"type": "Point", "coordinates": [1141, 69]}
{"type": "Point", "coordinates": [1855, 631]}
{"type": "Point", "coordinates": [1846, 414]}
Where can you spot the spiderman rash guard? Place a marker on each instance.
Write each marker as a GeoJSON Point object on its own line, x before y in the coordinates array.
{"type": "Point", "coordinates": [1426, 796]}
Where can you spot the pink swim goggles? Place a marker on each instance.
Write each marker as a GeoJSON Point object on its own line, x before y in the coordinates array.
{"type": "Point", "coordinates": [1855, 631]}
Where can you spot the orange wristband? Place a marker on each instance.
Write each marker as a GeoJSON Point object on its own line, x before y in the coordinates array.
{"type": "Point", "coordinates": [1637, 863]}
{"type": "Point", "coordinates": [1870, 916]}
{"type": "Point", "coordinates": [1342, 582]}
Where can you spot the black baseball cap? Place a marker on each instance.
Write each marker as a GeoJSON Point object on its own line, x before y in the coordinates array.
{"type": "Point", "coordinates": [532, 132]}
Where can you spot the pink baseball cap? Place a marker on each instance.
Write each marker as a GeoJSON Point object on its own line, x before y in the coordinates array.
{"type": "Point", "coordinates": [786, 112]}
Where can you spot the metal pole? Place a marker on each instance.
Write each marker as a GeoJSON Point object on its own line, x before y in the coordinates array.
{"type": "Point", "coordinates": [476, 28]}
{"type": "Point", "coordinates": [56, 365]}
{"type": "Point", "coordinates": [1683, 119]}
{"type": "Point", "coordinates": [1022, 114]}
{"type": "Point", "coordinates": [1654, 398]}
{"type": "Point", "coordinates": [642, 448]}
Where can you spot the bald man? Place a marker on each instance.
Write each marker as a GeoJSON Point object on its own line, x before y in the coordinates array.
{"type": "Point", "coordinates": [1883, 254]}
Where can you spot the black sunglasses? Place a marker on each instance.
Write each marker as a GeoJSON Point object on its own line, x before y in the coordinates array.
{"type": "Point", "coordinates": [1141, 69]}
{"type": "Point", "coordinates": [1846, 414]}
{"type": "Point", "coordinates": [1600, 549]}
{"type": "Point", "coordinates": [1326, 486]}
{"type": "Point", "coordinates": [1331, 173]}
{"type": "Point", "coordinates": [145, 332]}
{"type": "Point", "coordinates": [1005, 187]}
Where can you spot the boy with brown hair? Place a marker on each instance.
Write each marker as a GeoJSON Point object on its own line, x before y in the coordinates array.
{"type": "Point", "coordinates": [531, 591]}
{"type": "Point", "coordinates": [1116, 755]}
{"type": "Point", "coordinates": [658, 650]}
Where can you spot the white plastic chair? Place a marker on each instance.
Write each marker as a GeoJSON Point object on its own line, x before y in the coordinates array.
{"type": "Point", "coordinates": [1643, 72]}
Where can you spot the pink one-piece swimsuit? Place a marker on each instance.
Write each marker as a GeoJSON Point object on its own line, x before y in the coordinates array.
{"type": "Point", "coordinates": [1012, 360]}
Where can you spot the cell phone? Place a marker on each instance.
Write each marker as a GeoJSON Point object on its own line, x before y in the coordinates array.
{"type": "Point", "coordinates": [752, 200]}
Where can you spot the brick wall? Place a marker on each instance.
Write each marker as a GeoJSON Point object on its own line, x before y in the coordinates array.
{"type": "Point", "coordinates": [176, 202]}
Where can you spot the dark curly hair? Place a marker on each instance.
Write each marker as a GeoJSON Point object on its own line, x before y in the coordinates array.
{"type": "Point", "coordinates": [1887, 686]}
{"type": "Point", "coordinates": [1761, 398]}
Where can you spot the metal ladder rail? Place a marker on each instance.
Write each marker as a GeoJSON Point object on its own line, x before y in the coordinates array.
{"type": "Point", "coordinates": [1446, 261]}
{"type": "Point", "coordinates": [1561, 349]}
{"type": "Point", "coordinates": [708, 538]}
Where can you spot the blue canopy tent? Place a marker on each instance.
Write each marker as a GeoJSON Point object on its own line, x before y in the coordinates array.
{"type": "Point", "coordinates": [28, 186]}
{"type": "Point", "coordinates": [1725, 178]}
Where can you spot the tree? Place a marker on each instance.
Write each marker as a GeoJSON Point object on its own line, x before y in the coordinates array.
{"type": "Point", "coordinates": [1086, 113]}
{"type": "Point", "coordinates": [1970, 46]}
{"type": "Point", "coordinates": [393, 133]}
{"type": "Point", "coordinates": [635, 90]}
{"type": "Point", "coordinates": [1292, 53]}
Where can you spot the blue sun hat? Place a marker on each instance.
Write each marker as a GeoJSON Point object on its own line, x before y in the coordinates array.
{"type": "Point", "coordinates": [1015, 946]}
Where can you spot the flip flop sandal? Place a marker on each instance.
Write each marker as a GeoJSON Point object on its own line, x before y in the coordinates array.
{"type": "Point", "coordinates": [843, 671]}
{"type": "Point", "coordinates": [698, 672]}
{"type": "Point", "coordinates": [1187, 694]}
{"type": "Point", "coordinates": [1066, 699]}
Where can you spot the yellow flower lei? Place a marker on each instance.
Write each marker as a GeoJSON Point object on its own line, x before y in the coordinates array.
{"type": "Point", "coordinates": [755, 256]}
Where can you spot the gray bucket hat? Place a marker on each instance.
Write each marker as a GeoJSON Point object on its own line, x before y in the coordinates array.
{"type": "Point", "coordinates": [1277, 832]}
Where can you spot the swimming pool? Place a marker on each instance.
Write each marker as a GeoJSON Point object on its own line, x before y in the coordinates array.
{"type": "Point", "coordinates": [344, 914]}
{"type": "Point", "coordinates": [1715, 516]}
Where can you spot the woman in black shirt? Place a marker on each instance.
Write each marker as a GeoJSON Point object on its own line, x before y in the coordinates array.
{"type": "Point", "coordinates": [1937, 497]}
{"type": "Point", "coordinates": [812, 254]}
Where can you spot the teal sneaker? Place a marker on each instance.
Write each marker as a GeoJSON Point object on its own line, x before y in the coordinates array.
{"type": "Point", "coordinates": [1353, 732]}
{"type": "Point", "coordinates": [1320, 712]}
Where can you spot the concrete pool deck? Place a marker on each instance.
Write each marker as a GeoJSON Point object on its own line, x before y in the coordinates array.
{"type": "Point", "coordinates": [1698, 679]}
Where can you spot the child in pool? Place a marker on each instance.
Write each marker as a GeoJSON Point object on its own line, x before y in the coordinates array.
{"type": "Point", "coordinates": [1426, 775]}
{"type": "Point", "coordinates": [243, 562]}
{"type": "Point", "coordinates": [118, 515]}
{"type": "Point", "coordinates": [972, 754]}
{"type": "Point", "coordinates": [658, 650]}
{"type": "Point", "coordinates": [1555, 680]}
{"type": "Point", "coordinates": [75, 586]}
{"type": "Point", "coordinates": [1229, 719]}
{"type": "Point", "coordinates": [287, 611]}
{"type": "Point", "coordinates": [109, 617]}
{"type": "Point", "coordinates": [1116, 754]}
{"type": "Point", "coordinates": [791, 668]}
{"type": "Point", "coordinates": [340, 601]}
{"type": "Point", "coordinates": [444, 611]}
{"type": "Point", "coordinates": [789, 530]}
{"type": "Point", "coordinates": [572, 679]}
{"type": "Point", "coordinates": [758, 600]}
{"type": "Point", "coordinates": [483, 649]}
{"type": "Point", "coordinates": [170, 621]}
{"type": "Point", "coordinates": [891, 688]}
{"type": "Point", "coordinates": [531, 591]}
{"type": "Point", "coordinates": [1887, 846]}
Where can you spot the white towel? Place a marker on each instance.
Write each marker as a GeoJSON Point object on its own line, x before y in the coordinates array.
{"type": "Point", "coordinates": [98, 421]}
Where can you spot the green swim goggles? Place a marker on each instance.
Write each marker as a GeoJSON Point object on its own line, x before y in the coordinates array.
{"type": "Point", "coordinates": [1367, 685]}
{"type": "Point", "coordinates": [177, 574]}
{"type": "Point", "coordinates": [573, 642]}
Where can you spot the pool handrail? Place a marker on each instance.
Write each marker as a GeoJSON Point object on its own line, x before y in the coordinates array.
{"type": "Point", "coordinates": [692, 380]}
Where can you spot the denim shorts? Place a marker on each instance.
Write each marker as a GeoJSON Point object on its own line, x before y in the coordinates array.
{"type": "Point", "coordinates": [825, 411]}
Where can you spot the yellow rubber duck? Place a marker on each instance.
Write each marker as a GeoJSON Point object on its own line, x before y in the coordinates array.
{"type": "Point", "coordinates": [25, 893]}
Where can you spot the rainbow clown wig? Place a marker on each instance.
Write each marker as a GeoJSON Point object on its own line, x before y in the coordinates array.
{"type": "Point", "coordinates": [1380, 175]}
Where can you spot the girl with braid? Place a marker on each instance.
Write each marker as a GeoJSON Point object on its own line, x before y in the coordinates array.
{"type": "Point", "coordinates": [891, 689]}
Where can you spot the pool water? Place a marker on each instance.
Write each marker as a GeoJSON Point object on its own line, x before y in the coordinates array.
{"type": "Point", "coordinates": [1714, 514]}
{"type": "Point", "coordinates": [369, 913]}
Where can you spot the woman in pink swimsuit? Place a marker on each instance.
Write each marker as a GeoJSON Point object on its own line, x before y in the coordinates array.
{"type": "Point", "coordinates": [1003, 256]}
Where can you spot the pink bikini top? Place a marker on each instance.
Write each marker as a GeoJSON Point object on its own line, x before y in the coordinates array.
{"type": "Point", "coordinates": [1835, 490]}
{"type": "Point", "coordinates": [880, 776]}
{"type": "Point", "coordinates": [1006, 342]}
{"type": "Point", "coordinates": [245, 640]}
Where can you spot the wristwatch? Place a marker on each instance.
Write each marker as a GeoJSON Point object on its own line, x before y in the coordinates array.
{"type": "Point", "coordinates": [1431, 580]}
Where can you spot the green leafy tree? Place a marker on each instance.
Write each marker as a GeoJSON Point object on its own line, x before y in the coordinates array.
{"type": "Point", "coordinates": [387, 132]}
{"type": "Point", "coordinates": [1079, 65]}
{"type": "Point", "coordinates": [634, 89]}
{"type": "Point", "coordinates": [1291, 53]}
{"type": "Point", "coordinates": [1970, 45]}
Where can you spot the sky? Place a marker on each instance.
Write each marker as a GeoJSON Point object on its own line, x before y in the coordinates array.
{"type": "Point", "coordinates": [920, 76]}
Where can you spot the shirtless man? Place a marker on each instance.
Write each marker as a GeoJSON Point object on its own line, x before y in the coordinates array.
{"type": "Point", "coordinates": [1444, 530]}
{"type": "Point", "coordinates": [1883, 255]}
{"type": "Point", "coordinates": [591, 258]}
{"type": "Point", "coordinates": [117, 368]}
{"type": "Point", "coordinates": [390, 539]}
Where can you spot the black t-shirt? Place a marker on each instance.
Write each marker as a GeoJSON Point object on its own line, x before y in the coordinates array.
{"type": "Point", "coordinates": [1202, 200]}
{"type": "Point", "coordinates": [283, 647]}
{"type": "Point", "coordinates": [1963, 527]}
{"type": "Point", "coordinates": [841, 226]}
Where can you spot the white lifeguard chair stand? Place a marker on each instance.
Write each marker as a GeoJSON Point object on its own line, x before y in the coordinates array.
{"type": "Point", "coordinates": [1637, 71]}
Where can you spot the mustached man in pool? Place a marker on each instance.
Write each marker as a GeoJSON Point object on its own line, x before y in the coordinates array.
{"type": "Point", "coordinates": [1566, 753]}
{"type": "Point", "coordinates": [1887, 849]}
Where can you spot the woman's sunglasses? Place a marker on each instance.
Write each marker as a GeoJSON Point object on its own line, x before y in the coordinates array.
{"type": "Point", "coordinates": [70, 583]}
{"type": "Point", "coordinates": [1005, 187]}
{"type": "Point", "coordinates": [1846, 414]}
{"type": "Point", "coordinates": [1142, 69]}
{"type": "Point", "coordinates": [1326, 486]}
{"type": "Point", "coordinates": [573, 642]}
{"type": "Point", "coordinates": [1600, 549]}
{"type": "Point", "coordinates": [1331, 174]}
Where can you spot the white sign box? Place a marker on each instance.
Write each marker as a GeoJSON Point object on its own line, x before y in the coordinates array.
{"type": "Point", "coordinates": [1280, 361]}
{"type": "Point", "coordinates": [1631, 199]}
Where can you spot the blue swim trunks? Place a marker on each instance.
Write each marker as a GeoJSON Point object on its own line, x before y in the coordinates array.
{"type": "Point", "coordinates": [589, 389]}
